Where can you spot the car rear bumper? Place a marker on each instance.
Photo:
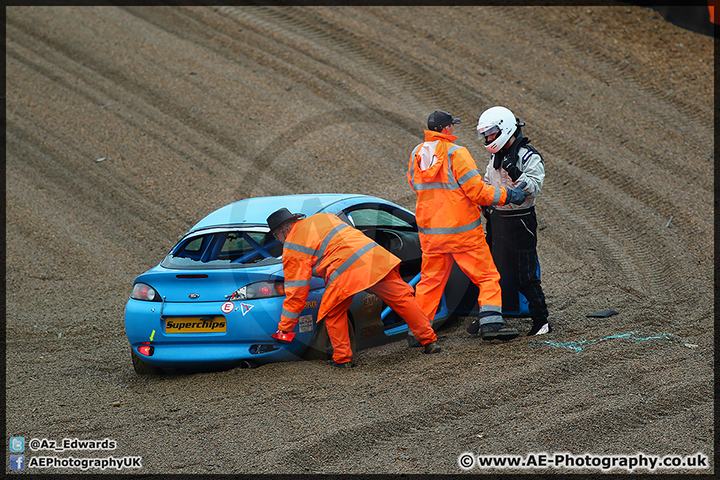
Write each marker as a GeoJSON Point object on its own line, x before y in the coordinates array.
{"type": "Point", "coordinates": [215, 354]}
{"type": "Point", "coordinates": [244, 335]}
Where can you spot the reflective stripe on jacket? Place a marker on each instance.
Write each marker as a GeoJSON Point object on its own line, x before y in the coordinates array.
{"type": "Point", "coordinates": [449, 192]}
{"type": "Point", "coordinates": [325, 246]}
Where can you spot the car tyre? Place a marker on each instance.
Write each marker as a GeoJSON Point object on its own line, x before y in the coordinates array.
{"type": "Point", "coordinates": [320, 347]}
{"type": "Point", "coordinates": [142, 368]}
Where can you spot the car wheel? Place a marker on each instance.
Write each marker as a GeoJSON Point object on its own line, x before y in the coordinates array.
{"type": "Point", "coordinates": [142, 368]}
{"type": "Point", "coordinates": [320, 347]}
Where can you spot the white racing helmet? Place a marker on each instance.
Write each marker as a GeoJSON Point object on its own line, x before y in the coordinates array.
{"type": "Point", "coordinates": [495, 126]}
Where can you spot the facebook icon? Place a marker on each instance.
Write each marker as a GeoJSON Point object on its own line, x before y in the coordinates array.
{"type": "Point", "coordinates": [17, 462]}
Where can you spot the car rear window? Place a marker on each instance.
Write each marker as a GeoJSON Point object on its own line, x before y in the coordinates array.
{"type": "Point", "coordinates": [225, 249]}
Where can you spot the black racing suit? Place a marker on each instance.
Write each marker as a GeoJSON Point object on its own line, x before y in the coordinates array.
{"type": "Point", "coordinates": [512, 229]}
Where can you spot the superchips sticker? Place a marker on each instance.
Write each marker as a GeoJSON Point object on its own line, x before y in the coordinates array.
{"type": "Point", "coordinates": [305, 323]}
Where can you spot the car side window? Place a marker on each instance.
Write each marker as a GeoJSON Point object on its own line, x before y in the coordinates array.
{"type": "Point", "coordinates": [393, 229]}
{"type": "Point", "coordinates": [374, 217]}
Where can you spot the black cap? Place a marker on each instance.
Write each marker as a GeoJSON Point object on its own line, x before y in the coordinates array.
{"type": "Point", "coordinates": [440, 119]}
{"type": "Point", "coordinates": [280, 217]}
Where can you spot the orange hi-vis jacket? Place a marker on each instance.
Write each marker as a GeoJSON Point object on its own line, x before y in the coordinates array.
{"type": "Point", "coordinates": [325, 246]}
{"type": "Point", "coordinates": [449, 192]}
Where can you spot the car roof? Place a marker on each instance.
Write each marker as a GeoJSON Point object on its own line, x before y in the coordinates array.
{"type": "Point", "coordinates": [254, 211]}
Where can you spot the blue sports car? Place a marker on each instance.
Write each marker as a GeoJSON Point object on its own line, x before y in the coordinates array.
{"type": "Point", "coordinates": [216, 298]}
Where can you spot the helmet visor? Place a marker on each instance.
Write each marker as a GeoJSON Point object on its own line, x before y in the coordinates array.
{"type": "Point", "coordinates": [489, 135]}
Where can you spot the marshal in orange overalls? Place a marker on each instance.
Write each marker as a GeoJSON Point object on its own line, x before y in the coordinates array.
{"type": "Point", "coordinates": [449, 189]}
{"type": "Point", "coordinates": [350, 262]}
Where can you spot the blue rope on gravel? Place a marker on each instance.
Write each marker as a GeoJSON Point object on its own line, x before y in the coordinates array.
{"type": "Point", "coordinates": [579, 346]}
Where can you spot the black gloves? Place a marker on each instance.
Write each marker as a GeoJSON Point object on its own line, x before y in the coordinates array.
{"type": "Point", "coordinates": [509, 166]}
{"type": "Point", "coordinates": [517, 195]}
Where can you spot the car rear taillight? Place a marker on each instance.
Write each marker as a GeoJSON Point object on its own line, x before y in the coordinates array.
{"type": "Point", "coordinates": [143, 291]}
{"type": "Point", "coordinates": [259, 290]}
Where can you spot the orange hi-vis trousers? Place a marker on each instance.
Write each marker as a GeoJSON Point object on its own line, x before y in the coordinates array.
{"type": "Point", "coordinates": [477, 264]}
{"type": "Point", "coordinates": [399, 296]}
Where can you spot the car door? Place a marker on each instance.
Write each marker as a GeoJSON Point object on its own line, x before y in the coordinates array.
{"type": "Point", "coordinates": [394, 229]}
